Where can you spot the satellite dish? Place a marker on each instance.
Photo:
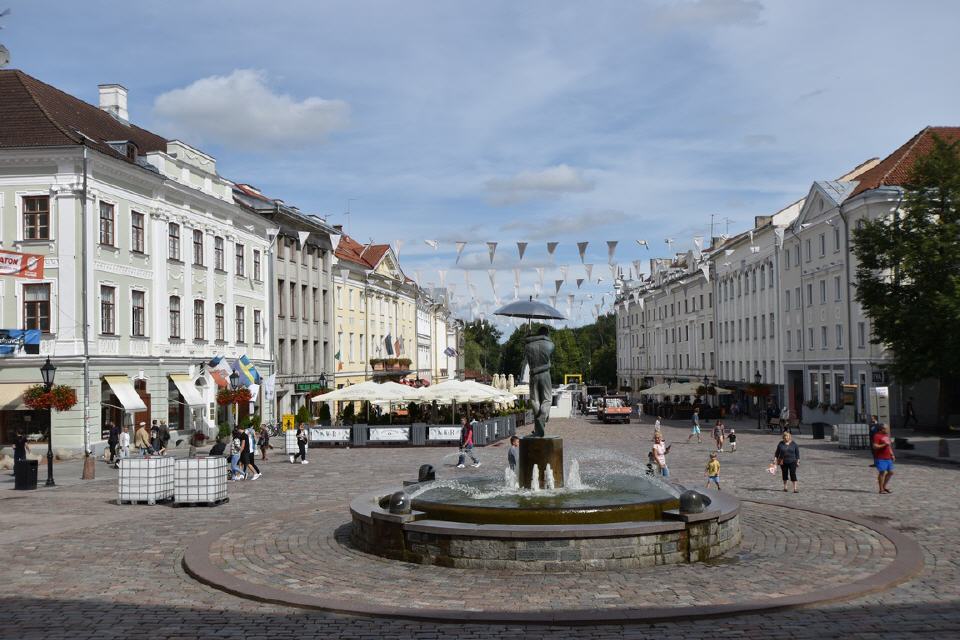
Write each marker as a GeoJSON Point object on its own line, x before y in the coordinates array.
{"type": "Point", "coordinates": [4, 56]}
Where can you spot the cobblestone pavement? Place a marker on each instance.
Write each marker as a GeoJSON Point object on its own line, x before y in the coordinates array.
{"type": "Point", "coordinates": [78, 566]}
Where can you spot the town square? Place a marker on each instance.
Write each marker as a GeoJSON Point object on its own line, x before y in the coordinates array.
{"type": "Point", "coordinates": [499, 320]}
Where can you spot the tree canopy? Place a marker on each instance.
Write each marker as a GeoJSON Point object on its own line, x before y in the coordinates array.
{"type": "Point", "coordinates": [482, 347]}
{"type": "Point", "coordinates": [908, 277]}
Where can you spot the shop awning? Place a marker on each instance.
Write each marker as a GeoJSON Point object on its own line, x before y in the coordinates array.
{"type": "Point", "coordinates": [126, 394]}
{"type": "Point", "coordinates": [11, 395]}
{"type": "Point", "coordinates": [188, 390]}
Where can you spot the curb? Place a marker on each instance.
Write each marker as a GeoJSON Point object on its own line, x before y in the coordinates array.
{"type": "Point", "coordinates": [907, 563]}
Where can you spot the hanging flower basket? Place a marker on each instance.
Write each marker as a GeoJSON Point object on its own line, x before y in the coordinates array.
{"type": "Point", "coordinates": [233, 396]}
{"type": "Point", "coordinates": [60, 397]}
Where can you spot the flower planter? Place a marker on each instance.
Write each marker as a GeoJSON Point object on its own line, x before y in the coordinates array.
{"type": "Point", "coordinates": [200, 481]}
{"type": "Point", "coordinates": [145, 480]}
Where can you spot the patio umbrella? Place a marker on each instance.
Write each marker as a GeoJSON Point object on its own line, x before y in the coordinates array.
{"type": "Point", "coordinates": [364, 391]}
{"type": "Point", "coordinates": [530, 309]}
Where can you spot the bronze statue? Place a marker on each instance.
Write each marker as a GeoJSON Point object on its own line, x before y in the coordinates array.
{"type": "Point", "coordinates": [538, 350]}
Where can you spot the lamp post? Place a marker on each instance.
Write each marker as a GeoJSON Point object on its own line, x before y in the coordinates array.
{"type": "Point", "coordinates": [47, 371]}
{"type": "Point", "coordinates": [234, 383]}
{"type": "Point", "coordinates": [323, 380]}
{"type": "Point", "coordinates": [756, 399]}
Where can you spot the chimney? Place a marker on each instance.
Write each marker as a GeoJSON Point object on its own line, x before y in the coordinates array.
{"type": "Point", "coordinates": [339, 228]}
{"type": "Point", "coordinates": [113, 100]}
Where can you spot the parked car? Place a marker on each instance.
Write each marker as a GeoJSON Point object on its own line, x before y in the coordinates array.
{"type": "Point", "coordinates": [614, 409]}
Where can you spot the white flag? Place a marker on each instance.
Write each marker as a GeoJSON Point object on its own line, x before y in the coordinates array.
{"type": "Point", "coordinates": [778, 231]}
{"type": "Point", "coordinates": [643, 243]}
{"type": "Point", "coordinates": [344, 275]}
{"type": "Point", "coordinates": [728, 251]}
{"type": "Point", "coordinates": [698, 242]}
{"type": "Point", "coordinates": [416, 274]}
{"type": "Point", "coordinates": [460, 246]}
{"type": "Point", "coordinates": [754, 249]}
{"type": "Point", "coordinates": [705, 270]}
{"type": "Point", "coordinates": [433, 244]}
{"type": "Point", "coordinates": [551, 247]}
{"type": "Point", "coordinates": [540, 276]}
{"type": "Point", "coordinates": [492, 249]}
{"type": "Point", "coordinates": [398, 244]}
{"type": "Point", "coordinates": [303, 235]}
{"type": "Point", "coordinates": [335, 241]}
{"type": "Point", "coordinates": [521, 248]}
{"type": "Point", "coordinates": [582, 248]}
{"type": "Point", "coordinates": [636, 268]}
{"type": "Point", "coordinates": [492, 273]}
{"type": "Point", "coordinates": [588, 269]}
{"type": "Point", "coordinates": [611, 249]}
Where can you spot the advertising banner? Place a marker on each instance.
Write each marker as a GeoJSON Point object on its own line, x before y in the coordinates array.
{"type": "Point", "coordinates": [17, 341]}
{"type": "Point", "coordinates": [21, 265]}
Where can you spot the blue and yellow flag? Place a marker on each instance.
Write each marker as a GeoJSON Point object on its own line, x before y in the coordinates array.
{"type": "Point", "coordinates": [248, 373]}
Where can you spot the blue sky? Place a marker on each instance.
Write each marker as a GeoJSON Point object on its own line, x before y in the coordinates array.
{"type": "Point", "coordinates": [515, 121]}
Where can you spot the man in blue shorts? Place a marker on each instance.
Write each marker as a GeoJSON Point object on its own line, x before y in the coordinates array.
{"type": "Point", "coordinates": [695, 430]}
{"type": "Point", "coordinates": [883, 455]}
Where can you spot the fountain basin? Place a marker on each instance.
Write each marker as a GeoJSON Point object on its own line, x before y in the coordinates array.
{"type": "Point", "coordinates": [533, 536]}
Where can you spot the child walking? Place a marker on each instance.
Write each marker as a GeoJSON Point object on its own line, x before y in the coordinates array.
{"type": "Point", "coordinates": [713, 471]}
{"type": "Point", "coordinates": [732, 439]}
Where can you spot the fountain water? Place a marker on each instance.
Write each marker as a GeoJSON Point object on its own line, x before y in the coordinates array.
{"type": "Point", "coordinates": [548, 478]}
{"type": "Point", "coordinates": [574, 483]}
{"type": "Point", "coordinates": [535, 479]}
{"type": "Point", "coordinates": [510, 479]}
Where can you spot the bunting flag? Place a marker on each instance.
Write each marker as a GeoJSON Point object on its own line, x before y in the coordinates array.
{"type": "Point", "coordinates": [335, 241]}
{"type": "Point", "coordinates": [540, 276]}
{"type": "Point", "coordinates": [640, 302]}
{"type": "Point", "coordinates": [433, 244]}
{"type": "Point", "coordinates": [705, 270]}
{"type": "Point", "coordinates": [751, 236]}
{"type": "Point", "coordinates": [492, 273]}
{"type": "Point", "coordinates": [344, 274]}
{"type": "Point", "coordinates": [588, 269]}
{"type": "Point", "coordinates": [558, 284]}
{"type": "Point", "coordinates": [728, 252]}
{"type": "Point", "coordinates": [536, 289]}
{"type": "Point", "coordinates": [778, 231]}
{"type": "Point", "coordinates": [551, 247]}
{"type": "Point", "coordinates": [643, 243]}
{"type": "Point", "coordinates": [698, 242]}
{"type": "Point", "coordinates": [754, 249]}
{"type": "Point", "coordinates": [611, 249]}
{"type": "Point", "coordinates": [492, 249]}
{"type": "Point", "coordinates": [521, 248]}
{"type": "Point", "coordinates": [579, 282]}
{"type": "Point", "coordinates": [443, 277]}
{"type": "Point", "coordinates": [563, 272]}
{"type": "Point", "coordinates": [398, 244]}
{"type": "Point", "coordinates": [613, 271]}
{"type": "Point", "coordinates": [302, 236]}
{"type": "Point", "coordinates": [553, 301]}
{"type": "Point", "coordinates": [582, 248]}
{"type": "Point", "coordinates": [460, 246]}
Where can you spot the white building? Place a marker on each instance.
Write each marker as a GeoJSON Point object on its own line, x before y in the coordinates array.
{"type": "Point", "coordinates": [166, 273]}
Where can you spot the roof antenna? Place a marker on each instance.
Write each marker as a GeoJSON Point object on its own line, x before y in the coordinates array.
{"type": "Point", "coordinates": [4, 52]}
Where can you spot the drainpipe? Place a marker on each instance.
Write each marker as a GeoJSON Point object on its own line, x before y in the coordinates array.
{"type": "Point", "coordinates": [849, 305]}
{"type": "Point", "coordinates": [85, 276]}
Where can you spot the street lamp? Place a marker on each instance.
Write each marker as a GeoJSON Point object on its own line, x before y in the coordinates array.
{"type": "Point", "coordinates": [323, 380]}
{"type": "Point", "coordinates": [47, 372]}
{"type": "Point", "coordinates": [234, 384]}
{"type": "Point", "coordinates": [756, 399]}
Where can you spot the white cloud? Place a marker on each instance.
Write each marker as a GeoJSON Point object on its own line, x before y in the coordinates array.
{"type": "Point", "coordinates": [240, 110]}
{"type": "Point", "coordinates": [529, 185]}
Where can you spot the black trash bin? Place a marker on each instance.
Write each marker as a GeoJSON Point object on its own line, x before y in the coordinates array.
{"type": "Point", "coordinates": [25, 474]}
{"type": "Point", "coordinates": [818, 429]}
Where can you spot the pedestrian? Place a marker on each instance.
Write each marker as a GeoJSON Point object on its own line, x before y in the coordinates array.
{"type": "Point", "coordinates": [695, 429]}
{"type": "Point", "coordinates": [787, 457]}
{"type": "Point", "coordinates": [249, 459]}
{"type": "Point", "coordinates": [20, 449]}
{"type": "Point", "coordinates": [302, 439]}
{"type": "Point", "coordinates": [141, 439]}
{"type": "Point", "coordinates": [735, 411]}
{"type": "Point", "coordinates": [732, 439]}
{"type": "Point", "coordinates": [874, 430]}
{"type": "Point", "coordinates": [264, 443]}
{"type": "Point", "coordinates": [513, 453]}
{"type": "Point", "coordinates": [113, 438]}
{"type": "Point", "coordinates": [466, 444]}
{"type": "Point", "coordinates": [908, 414]}
{"type": "Point", "coordinates": [155, 436]}
{"type": "Point", "coordinates": [163, 437]}
{"type": "Point", "coordinates": [718, 435]}
{"type": "Point", "coordinates": [712, 471]}
{"type": "Point", "coordinates": [656, 425]}
{"type": "Point", "coordinates": [123, 445]}
{"type": "Point", "coordinates": [236, 450]}
{"type": "Point", "coordinates": [884, 457]}
{"type": "Point", "coordinates": [660, 451]}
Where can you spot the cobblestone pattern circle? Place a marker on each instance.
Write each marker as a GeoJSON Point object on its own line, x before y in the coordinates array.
{"type": "Point", "coordinates": [786, 555]}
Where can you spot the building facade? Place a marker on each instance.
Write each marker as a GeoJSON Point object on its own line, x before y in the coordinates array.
{"type": "Point", "coordinates": [151, 269]}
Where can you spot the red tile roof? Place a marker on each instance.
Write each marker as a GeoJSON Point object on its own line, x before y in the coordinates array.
{"type": "Point", "coordinates": [35, 114]}
{"type": "Point", "coordinates": [365, 255]}
{"type": "Point", "coordinates": [894, 170]}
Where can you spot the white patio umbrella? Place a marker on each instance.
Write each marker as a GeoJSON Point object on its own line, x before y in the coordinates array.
{"type": "Point", "coordinates": [364, 391]}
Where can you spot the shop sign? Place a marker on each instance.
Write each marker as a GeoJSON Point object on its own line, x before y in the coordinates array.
{"type": "Point", "coordinates": [21, 265]}
{"type": "Point", "coordinates": [289, 421]}
{"type": "Point", "coordinates": [307, 387]}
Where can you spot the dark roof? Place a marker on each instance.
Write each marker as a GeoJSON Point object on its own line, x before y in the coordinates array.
{"type": "Point", "coordinates": [894, 170]}
{"type": "Point", "coordinates": [35, 114]}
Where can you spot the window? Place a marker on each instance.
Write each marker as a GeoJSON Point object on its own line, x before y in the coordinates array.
{"type": "Point", "coordinates": [137, 239]}
{"type": "Point", "coordinates": [139, 314]}
{"type": "Point", "coordinates": [304, 302]}
{"type": "Point", "coordinates": [257, 326]}
{"type": "Point", "coordinates": [36, 307]}
{"type": "Point", "coordinates": [746, 329]}
{"type": "Point", "coordinates": [240, 328]}
{"type": "Point", "coordinates": [173, 241]}
{"type": "Point", "coordinates": [836, 239]}
{"type": "Point", "coordinates": [239, 264]}
{"type": "Point", "coordinates": [106, 224]}
{"type": "Point", "coordinates": [363, 348]}
{"type": "Point", "coordinates": [36, 217]}
{"type": "Point", "coordinates": [107, 304]}
{"type": "Point", "coordinates": [796, 298]}
{"type": "Point", "coordinates": [861, 334]}
{"type": "Point", "coordinates": [754, 327]}
{"type": "Point", "coordinates": [815, 386]}
{"type": "Point", "coordinates": [839, 336]}
{"type": "Point", "coordinates": [796, 255]}
{"type": "Point", "coordinates": [316, 305]}
{"type": "Point", "coordinates": [823, 244]}
{"type": "Point", "coordinates": [772, 325]}
{"type": "Point", "coordinates": [823, 337]}
{"type": "Point", "coordinates": [281, 288]}
{"type": "Point", "coordinates": [256, 265]}
{"type": "Point", "coordinates": [293, 300]}
{"type": "Point", "coordinates": [786, 300]}
{"type": "Point", "coordinates": [823, 292]}
{"type": "Point", "coordinates": [218, 322]}
{"type": "Point", "coordinates": [836, 288]}
{"type": "Point", "coordinates": [198, 319]}
{"type": "Point", "coordinates": [810, 338]}
{"type": "Point", "coordinates": [198, 247]}
{"type": "Point", "coordinates": [789, 339]}
{"type": "Point", "coordinates": [174, 316]}
{"type": "Point", "coordinates": [827, 395]}
{"type": "Point", "coordinates": [809, 294]}
{"type": "Point", "coordinates": [218, 253]}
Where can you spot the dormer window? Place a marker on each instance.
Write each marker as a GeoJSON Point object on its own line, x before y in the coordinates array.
{"type": "Point", "coordinates": [126, 148]}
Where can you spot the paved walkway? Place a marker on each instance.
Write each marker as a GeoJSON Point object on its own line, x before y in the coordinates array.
{"type": "Point", "coordinates": [78, 566]}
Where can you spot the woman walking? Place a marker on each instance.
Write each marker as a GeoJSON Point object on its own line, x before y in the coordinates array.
{"type": "Point", "coordinates": [719, 433]}
{"type": "Point", "coordinates": [787, 457]}
{"type": "Point", "coordinates": [236, 450]}
{"type": "Point", "coordinates": [301, 445]}
{"type": "Point", "coordinates": [264, 443]}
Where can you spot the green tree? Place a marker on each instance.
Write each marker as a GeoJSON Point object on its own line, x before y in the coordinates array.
{"type": "Point", "coordinates": [487, 338]}
{"type": "Point", "coordinates": [472, 355]}
{"type": "Point", "coordinates": [908, 277]}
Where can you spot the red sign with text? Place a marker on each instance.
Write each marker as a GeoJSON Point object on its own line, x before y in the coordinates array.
{"type": "Point", "coordinates": [21, 265]}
